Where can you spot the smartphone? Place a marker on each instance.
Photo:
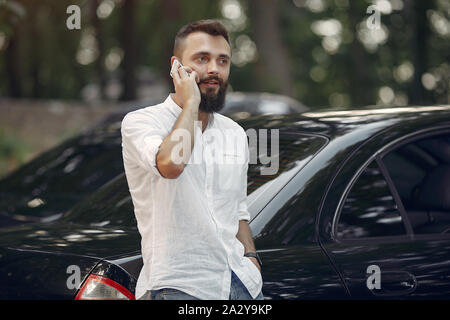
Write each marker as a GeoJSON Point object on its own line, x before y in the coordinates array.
{"type": "Point", "coordinates": [175, 65]}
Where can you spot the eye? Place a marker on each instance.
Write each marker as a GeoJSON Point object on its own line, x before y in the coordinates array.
{"type": "Point", "coordinates": [202, 59]}
{"type": "Point", "coordinates": [223, 61]}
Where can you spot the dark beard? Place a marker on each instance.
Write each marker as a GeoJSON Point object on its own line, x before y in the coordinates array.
{"type": "Point", "coordinates": [213, 103]}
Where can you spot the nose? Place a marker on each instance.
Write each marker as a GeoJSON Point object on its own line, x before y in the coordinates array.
{"type": "Point", "coordinates": [212, 67]}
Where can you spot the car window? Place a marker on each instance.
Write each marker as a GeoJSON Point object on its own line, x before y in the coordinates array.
{"type": "Point", "coordinates": [60, 177]}
{"type": "Point", "coordinates": [111, 205]}
{"type": "Point", "coordinates": [420, 171]}
{"type": "Point", "coordinates": [292, 148]}
{"type": "Point", "coordinates": [295, 150]}
{"type": "Point", "coordinates": [369, 209]}
{"type": "Point", "coordinates": [79, 165]}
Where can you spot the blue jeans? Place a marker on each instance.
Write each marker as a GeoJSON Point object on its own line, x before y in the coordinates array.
{"type": "Point", "coordinates": [237, 292]}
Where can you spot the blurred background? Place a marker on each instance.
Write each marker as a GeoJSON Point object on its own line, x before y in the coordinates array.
{"type": "Point", "coordinates": [55, 81]}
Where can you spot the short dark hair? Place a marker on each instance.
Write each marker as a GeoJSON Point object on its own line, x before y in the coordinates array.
{"type": "Point", "coordinates": [209, 26]}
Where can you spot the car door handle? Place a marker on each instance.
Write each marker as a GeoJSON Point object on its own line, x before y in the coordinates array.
{"type": "Point", "coordinates": [395, 283]}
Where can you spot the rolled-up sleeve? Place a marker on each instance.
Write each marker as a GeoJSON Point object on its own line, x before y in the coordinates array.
{"type": "Point", "coordinates": [242, 206]}
{"type": "Point", "coordinates": [141, 138]}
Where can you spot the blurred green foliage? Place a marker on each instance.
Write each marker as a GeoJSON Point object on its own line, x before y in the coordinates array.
{"type": "Point", "coordinates": [13, 151]}
{"type": "Point", "coordinates": [321, 52]}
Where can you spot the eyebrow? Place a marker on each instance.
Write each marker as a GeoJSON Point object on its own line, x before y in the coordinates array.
{"type": "Point", "coordinates": [201, 53]}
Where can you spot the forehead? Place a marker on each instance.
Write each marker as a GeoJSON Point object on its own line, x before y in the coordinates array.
{"type": "Point", "coordinates": [204, 42]}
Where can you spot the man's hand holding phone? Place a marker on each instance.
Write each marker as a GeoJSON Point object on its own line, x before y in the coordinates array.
{"type": "Point", "coordinates": [185, 82]}
{"type": "Point", "coordinates": [168, 160]}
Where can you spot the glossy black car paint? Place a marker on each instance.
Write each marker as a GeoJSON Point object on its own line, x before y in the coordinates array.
{"type": "Point", "coordinates": [304, 212]}
{"type": "Point", "coordinates": [34, 258]}
{"type": "Point", "coordinates": [294, 229]}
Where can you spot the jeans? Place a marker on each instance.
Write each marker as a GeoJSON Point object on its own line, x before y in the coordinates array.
{"type": "Point", "coordinates": [237, 292]}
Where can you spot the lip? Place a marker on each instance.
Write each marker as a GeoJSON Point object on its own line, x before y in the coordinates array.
{"type": "Point", "coordinates": [211, 85]}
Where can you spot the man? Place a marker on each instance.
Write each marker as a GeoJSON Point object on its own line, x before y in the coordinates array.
{"type": "Point", "coordinates": [186, 168]}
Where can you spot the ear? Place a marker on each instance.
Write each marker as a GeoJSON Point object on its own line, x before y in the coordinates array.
{"type": "Point", "coordinates": [173, 58]}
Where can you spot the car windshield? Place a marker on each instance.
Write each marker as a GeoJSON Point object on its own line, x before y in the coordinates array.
{"type": "Point", "coordinates": [112, 204]}
{"type": "Point", "coordinates": [57, 179]}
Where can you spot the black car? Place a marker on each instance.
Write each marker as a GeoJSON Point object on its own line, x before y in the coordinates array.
{"type": "Point", "coordinates": [46, 187]}
{"type": "Point", "coordinates": [359, 207]}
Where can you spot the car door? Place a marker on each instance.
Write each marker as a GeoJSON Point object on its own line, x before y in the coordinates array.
{"type": "Point", "coordinates": [392, 228]}
{"type": "Point", "coordinates": [283, 218]}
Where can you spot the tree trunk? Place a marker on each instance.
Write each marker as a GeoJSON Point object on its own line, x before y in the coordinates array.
{"type": "Point", "coordinates": [100, 62]}
{"type": "Point", "coordinates": [273, 66]}
{"type": "Point", "coordinates": [358, 74]}
{"type": "Point", "coordinates": [13, 65]}
{"type": "Point", "coordinates": [416, 17]}
{"type": "Point", "coordinates": [130, 50]}
{"type": "Point", "coordinates": [171, 12]}
{"type": "Point", "coordinates": [35, 56]}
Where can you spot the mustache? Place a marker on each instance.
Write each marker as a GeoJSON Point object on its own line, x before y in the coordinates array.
{"type": "Point", "coordinates": [212, 78]}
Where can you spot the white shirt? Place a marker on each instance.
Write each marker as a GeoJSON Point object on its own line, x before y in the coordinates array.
{"type": "Point", "coordinates": [189, 224]}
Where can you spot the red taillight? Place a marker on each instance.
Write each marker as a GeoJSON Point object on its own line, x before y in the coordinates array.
{"type": "Point", "coordinates": [101, 288]}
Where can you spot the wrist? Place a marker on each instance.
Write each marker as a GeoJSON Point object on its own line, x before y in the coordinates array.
{"type": "Point", "coordinates": [254, 256]}
{"type": "Point", "coordinates": [192, 104]}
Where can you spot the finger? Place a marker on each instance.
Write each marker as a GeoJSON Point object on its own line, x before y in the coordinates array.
{"type": "Point", "coordinates": [187, 69]}
{"type": "Point", "coordinates": [196, 76]}
{"type": "Point", "coordinates": [174, 68]}
{"type": "Point", "coordinates": [176, 76]}
{"type": "Point", "coordinates": [182, 72]}
{"type": "Point", "coordinates": [190, 71]}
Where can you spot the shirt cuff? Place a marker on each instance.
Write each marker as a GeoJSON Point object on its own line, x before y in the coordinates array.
{"type": "Point", "coordinates": [152, 145]}
{"type": "Point", "coordinates": [244, 215]}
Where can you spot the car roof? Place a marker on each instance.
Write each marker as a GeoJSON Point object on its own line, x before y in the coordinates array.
{"type": "Point", "coordinates": [336, 122]}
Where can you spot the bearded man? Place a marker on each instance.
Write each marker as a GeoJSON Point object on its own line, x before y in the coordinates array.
{"type": "Point", "coordinates": [192, 215]}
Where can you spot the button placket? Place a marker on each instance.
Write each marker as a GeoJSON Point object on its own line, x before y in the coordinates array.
{"type": "Point", "coordinates": [208, 179]}
{"type": "Point", "coordinates": [209, 162]}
